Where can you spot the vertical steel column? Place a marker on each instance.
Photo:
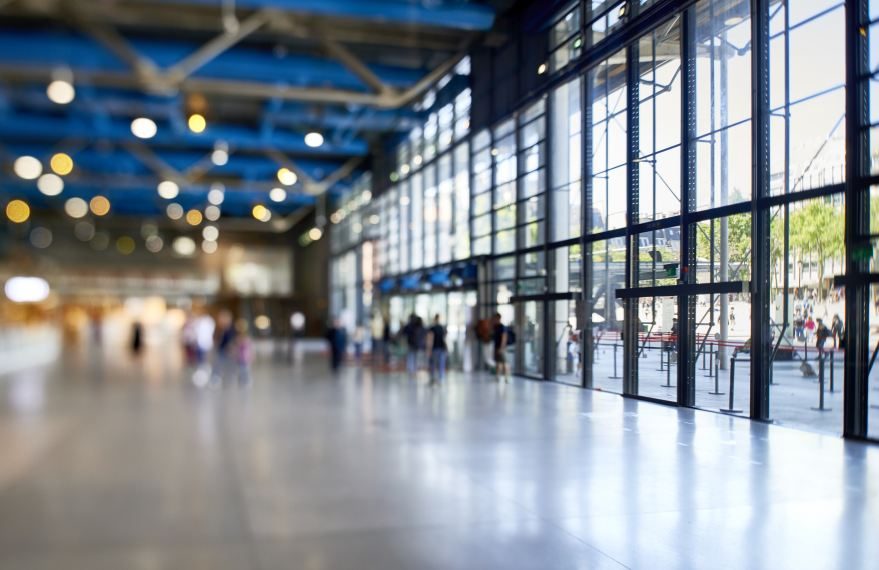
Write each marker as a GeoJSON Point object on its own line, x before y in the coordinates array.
{"type": "Point", "coordinates": [687, 306]}
{"type": "Point", "coordinates": [761, 336]}
{"type": "Point", "coordinates": [587, 273]}
{"type": "Point", "coordinates": [549, 261]}
{"type": "Point", "coordinates": [630, 367]}
{"type": "Point", "coordinates": [857, 225]}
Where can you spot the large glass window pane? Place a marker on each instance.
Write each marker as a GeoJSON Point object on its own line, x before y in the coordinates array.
{"type": "Point", "coordinates": [608, 130]}
{"type": "Point", "coordinates": [430, 216]}
{"type": "Point", "coordinates": [723, 102]}
{"type": "Point", "coordinates": [607, 268]}
{"type": "Point", "coordinates": [444, 209]}
{"type": "Point", "coordinates": [530, 337]}
{"type": "Point", "coordinates": [416, 221]}
{"type": "Point", "coordinates": [723, 249]}
{"type": "Point", "coordinates": [461, 242]}
{"type": "Point", "coordinates": [802, 294]}
{"type": "Point", "coordinates": [807, 135]}
{"type": "Point", "coordinates": [567, 144]}
{"type": "Point", "coordinates": [659, 256]}
{"type": "Point", "coordinates": [659, 93]}
{"type": "Point", "coordinates": [656, 347]}
{"type": "Point", "coordinates": [723, 381]}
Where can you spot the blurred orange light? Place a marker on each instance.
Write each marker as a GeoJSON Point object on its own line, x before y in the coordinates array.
{"type": "Point", "coordinates": [197, 123]}
{"type": "Point", "coordinates": [61, 163]}
{"type": "Point", "coordinates": [99, 205]}
{"type": "Point", "coordinates": [18, 211]}
{"type": "Point", "coordinates": [193, 217]}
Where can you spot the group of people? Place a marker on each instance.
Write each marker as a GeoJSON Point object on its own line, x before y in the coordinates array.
{"type": "Point", "coordinates": [223, 347]}
{"type": "Point", "coordinates": [424, 343]}
{"type": "Point", "coordinates": [811, 328]}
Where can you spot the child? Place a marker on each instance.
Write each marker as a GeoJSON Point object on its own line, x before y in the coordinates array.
{"type": "Point", "coordinates": [243, 353]}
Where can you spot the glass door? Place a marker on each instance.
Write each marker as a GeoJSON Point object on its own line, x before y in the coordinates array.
{"type": "Point", "coordinates": [528, 328]}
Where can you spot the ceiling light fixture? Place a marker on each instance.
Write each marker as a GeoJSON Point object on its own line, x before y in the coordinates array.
{"type": "Point", "coordinates": [18, 211]}
{"type": "Point", "coordinates": [60, 90]}
{"type": "Point", "coordinates": [143, 128]}
{"type": "Point", "coordinates": [216, 194]}
{"type": "Point", "coordinates": [76, 208]}
{"type": "Point", "coordinates": [61, 163]}
{"type": "Point", "coordinates": [168, 189]}
{"type": "Point", "coordinates": [197, 123]}
{"type": "Point", "coordinates": [50, 184]}
{"type": "Point", "coordinates": [278, 195]}
{"type": "Point", "coordinates": [27, 167]}
{"type": "Point", "coordinates": [220, 156]}
{"type": "Point", "coordinates": [99, 205]}
{"type": "Point", "coordinates": [287, 177]}
{"type": "Point", "coordinates": [314, 139]}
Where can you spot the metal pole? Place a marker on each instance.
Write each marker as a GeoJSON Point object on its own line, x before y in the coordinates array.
{"type": "Point", "coordinates": [831, 372]}
{"type": "Point", "coordinates": [821, 407]}
{"type": "Point", "coordinates": [615, 375]}
{"type": "Point", "coordinates": [732, 387]}
{"type": "Point", "coordinates": [716, 391]}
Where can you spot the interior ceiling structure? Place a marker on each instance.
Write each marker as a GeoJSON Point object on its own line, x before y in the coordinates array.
{"type": "Point", "coordinates": [263, 73]}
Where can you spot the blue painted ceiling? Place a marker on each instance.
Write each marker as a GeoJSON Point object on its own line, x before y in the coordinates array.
{"type": "Point", "coordinates": [260, 93]}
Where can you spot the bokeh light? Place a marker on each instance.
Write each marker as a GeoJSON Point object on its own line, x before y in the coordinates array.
{"type": "Point", "coordinates": [99, 205]}
{"type": "Point", "coordinates": [18, 211]}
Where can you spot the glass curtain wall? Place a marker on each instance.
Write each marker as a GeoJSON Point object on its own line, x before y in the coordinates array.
{"type": "Point", "coordinates": [688, 217]}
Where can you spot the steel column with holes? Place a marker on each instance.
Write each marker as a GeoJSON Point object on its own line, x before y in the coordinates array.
{"type": "Point", "coordinates": [687, 304]}
{"type": "Point", "coordinates": [630, 368]}
{"type": "Point", "coordinates": [857, 225]}
{"type": "Point", "coordinates": [761, 335]}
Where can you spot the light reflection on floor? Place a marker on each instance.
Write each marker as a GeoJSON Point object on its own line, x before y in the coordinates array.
{"type": "Point", "coordinates": [114, 462]}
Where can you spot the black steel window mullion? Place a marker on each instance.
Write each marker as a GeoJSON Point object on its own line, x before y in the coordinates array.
{"type": "Point", "coordinates": [686, 305]}
{"type": "Point", "coordinates": [857, 227]}
{"type": "Point", "coordinates": [586, 270]}
{"type": "Point", "coordinates": [761, 337]}
{"type": "Point", "coordinates": [630, 367]}
{"type": "Point", "coordinates": [549, 261]}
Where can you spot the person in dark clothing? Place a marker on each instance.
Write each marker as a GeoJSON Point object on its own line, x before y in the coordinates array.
{"type": "Point", "coordinates": [501, 337]}
{"type": "Point", "coordinates": [338, 340]}
{"type": "Point", "coordinates": [386, 344]}
{"type": "Point", "coordinates": [413, 332]}
{"type": "Point", "coordinates": [822, 333]}
{"type": "Point", "coordinates": [223, 357]}
{"type": "Point", "coordinates": [437, 350]}
{"type": "Point", "coordinates": [136, 337]}
{"type": "Point", "coordinates": [837, 328]}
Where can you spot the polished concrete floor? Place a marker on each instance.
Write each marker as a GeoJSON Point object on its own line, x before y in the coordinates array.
{"type": "Point", "coordinates": [114, 463]}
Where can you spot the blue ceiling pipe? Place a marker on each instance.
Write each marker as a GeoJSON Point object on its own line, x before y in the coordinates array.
{"type": "Point", "coordinates": [131, 104]}
{"type": "Point", "coordinates": [456, 15]}
{"type": "Point", "coordinates": [53, 48]}
{"type": "Point", "coordinates": [120, 161]}
{"type": "Point", "coordinates": [35, 127]}
{"type": "Point", "coordinates": [144, 200]}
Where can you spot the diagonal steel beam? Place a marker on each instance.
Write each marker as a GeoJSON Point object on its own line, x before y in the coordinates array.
{"type": "Point", "coordinates": [282, 160]}
{"type": "Point", "coordinates": [209, 51]}
{"type": "Point", "coordinates": [151, 160]}
{"type": "Point", "coordinates": [340, 173]}
{"type": "Point", "coordinates": [355, 65]}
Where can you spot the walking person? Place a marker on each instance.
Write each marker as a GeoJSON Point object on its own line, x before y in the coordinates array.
{"type": "Point", "coordinates": [225, 342]}
{"type": "Point", "coordinates": [413, 332]}
{"type": "Point", "coordinates": [243, 353]}
{"type": "Point", "coordinates": [822, 333]}
{"type": "Point", "coordinates": [501, 341]}
{"type": "Point", "coordinates": [338, 341]}
{"type": "Point", "coordinates": [837, 329]}
{"type": "Point", "coordinates": [437, 350]}
{"type": "Point", "coordinates": [377, 330]}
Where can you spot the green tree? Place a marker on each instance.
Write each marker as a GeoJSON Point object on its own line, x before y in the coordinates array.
{"type": "Point", "coordinates": [739, 242]}
{"type": "Point", "coordinates": [818, 228]}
